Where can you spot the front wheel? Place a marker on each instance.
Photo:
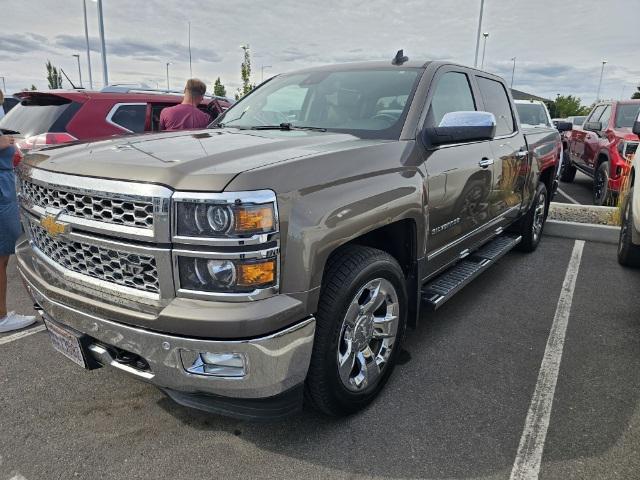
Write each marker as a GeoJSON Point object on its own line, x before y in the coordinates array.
{"type": "Point", "coordinates": [628, 252]}
{"type": "Point", "coordinates": [532, 224]}
{"type": "Point", "coordinates": [601, 193]}
{"type": "Point", "coordinates": [360, 323]}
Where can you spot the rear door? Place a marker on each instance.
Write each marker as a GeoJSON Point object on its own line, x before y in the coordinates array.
{"type": "Point", "coordinates": [509, 151]}
{"type": "Point", "coordinates": [458, 186]}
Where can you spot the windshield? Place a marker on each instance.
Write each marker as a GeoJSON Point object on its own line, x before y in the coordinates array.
{"type": "Point", "coordinates": [35, 115]}
{"type": "Point", "coordinates": [626, 114]}
{"type": "Point", "coordinates": [578, 120]}
{"type": "Point", "coordinates": [532, 115]}
{"type": "Point", "coordinates": [366, 103]}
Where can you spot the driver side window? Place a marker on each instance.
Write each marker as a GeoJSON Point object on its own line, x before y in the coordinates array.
{"type": "Point", "coordinates": [452, 94]}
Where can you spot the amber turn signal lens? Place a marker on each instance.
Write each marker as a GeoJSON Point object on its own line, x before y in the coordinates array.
{"type": "Point", "coordinates": [256, 274]}
{"type": "Point", "coordinates": [254, 219]}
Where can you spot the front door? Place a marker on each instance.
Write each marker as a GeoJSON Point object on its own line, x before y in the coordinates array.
{"type": "Point", "coordinates": [458, 177]}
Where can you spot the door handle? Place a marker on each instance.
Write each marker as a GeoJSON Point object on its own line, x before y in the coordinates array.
{"type": "Point", "coordinates": [485, 162]}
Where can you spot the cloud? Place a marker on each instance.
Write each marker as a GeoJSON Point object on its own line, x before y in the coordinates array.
{"type": "Point", "coordinates": [138, 49]}
{"type": "Point", "coordinates": [23, 43]}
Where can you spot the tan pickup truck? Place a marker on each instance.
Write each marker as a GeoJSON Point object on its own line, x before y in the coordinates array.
{"type": "Point", "coordinates": [283, 251]}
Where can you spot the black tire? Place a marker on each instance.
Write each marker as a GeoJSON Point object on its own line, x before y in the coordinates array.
{"type": "Point", "coordinates": [628, 252]}
{"type": "Point", "coordinates": [568, 171]}
{"type": "Point", "coordinates": [348, 271]}
{"type": "Point", "coordinates": [601, 192]}
{"type": "Point", "coordinates": [532, 224]}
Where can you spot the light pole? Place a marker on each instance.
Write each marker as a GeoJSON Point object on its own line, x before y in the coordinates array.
{"type": "Point", "coordinates": [604, 62]}
{"type": "Point", "coordinates": [4, 86]}
{"type": "Point", "coordinates": [79, 70]}
{"type": "Point", "coordinates": [86, 37]}
{"type": "Point", "coordinates": [513, 70]}
{"type": "Point", "coordinates": [105, 75]}
{"type": "Point", "coordinates": [484, 49]}
{"type": "Point", "coordinates": [475, 62]}
{"type": "Point", "coordinates": [262, 72]}
{"type": "Point", "coordinates": [190, 70]}
{"type": "Point", "coordinates": [168, 63]}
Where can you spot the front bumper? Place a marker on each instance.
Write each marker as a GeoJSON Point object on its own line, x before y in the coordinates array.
{"type": "Point", "coordinates": [275, 363]}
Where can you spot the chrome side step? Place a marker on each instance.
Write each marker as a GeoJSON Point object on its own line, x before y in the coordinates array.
{"type": "Point", "coordinates": [447, 284]}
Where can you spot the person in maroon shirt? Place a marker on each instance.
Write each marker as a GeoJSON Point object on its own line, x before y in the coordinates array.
{"type": "Point", "coordinates": [186, 115]}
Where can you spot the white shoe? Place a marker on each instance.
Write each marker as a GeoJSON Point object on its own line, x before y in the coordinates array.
{"type": "Point", "coordinates": [13, 321]}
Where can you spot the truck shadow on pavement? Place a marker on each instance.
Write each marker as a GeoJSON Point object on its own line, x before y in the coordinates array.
{"type": "Point", "coordinates": [457, 408]}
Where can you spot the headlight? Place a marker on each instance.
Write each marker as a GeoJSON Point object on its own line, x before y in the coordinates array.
{"type": "Point", "coordinates": [226, 276]}
{"type": "Point", "coordinates": [225, 215]}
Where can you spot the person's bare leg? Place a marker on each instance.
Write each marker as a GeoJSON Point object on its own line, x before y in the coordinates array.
{"type": "Point", "coordinates": [4, 261]}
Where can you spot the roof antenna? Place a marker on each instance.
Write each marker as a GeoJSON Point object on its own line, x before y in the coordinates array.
{"type": "Point", "coordinates": [399, 59]}
{"type": "Point", "coordinates": [69, 80]}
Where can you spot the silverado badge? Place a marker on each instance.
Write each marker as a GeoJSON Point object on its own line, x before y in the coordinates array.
{"type": "Point", "coordinates": [54, 227]}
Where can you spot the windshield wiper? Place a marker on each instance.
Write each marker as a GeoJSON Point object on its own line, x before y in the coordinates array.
{"type": "Point", "coordinates": [7, 131]}
{"type": "Point", "coordinates": [287, 126]}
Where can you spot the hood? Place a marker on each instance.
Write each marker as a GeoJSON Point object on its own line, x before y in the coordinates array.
{"type": "Point", "coordinates": [199, 160]}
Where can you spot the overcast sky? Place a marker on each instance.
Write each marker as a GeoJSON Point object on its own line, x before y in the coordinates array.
{"type": "Point", "coordinates": [559, 45]}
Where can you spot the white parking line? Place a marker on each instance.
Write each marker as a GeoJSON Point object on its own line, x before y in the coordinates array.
{"type": "Point", "coordinates": [22, 334]}
{"type": "Point", "coordinates": [568, 197]}
{"type": "Point", "coordinates": [529, 456]}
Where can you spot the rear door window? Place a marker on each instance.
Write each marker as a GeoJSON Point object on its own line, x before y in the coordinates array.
{"type": "Point", "coordinates": [626, 114]}
{"type": "Point", "coordinates": [496, 101]}
{"type": "Point", "coordinates": [38, 114]}
{"type": "Point", "coordinates": [452, 94]}
{"type": "Point", "coordinates": [131, 117]}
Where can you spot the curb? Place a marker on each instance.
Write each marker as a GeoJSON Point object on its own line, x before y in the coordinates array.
{"type": "Point", "coordinates": [582, 231]}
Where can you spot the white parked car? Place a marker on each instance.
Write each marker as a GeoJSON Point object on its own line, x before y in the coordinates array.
{"type": "Point", "coordinates": [629, 244]}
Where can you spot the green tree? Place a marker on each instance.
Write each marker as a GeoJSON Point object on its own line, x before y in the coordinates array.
{"type": "Point", "coordinates": [218, 88]}
{"type": "Point", "coordinates": [54, 76]}
{"type": "Point", "coordinates": [636, 94]}
{"type": "Point", "coordinates": [245, 74]}
{"type": "Point", "coordinates": [567, 105]}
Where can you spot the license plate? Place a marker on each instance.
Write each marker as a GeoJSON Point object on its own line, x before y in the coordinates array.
{"type": "Point", "coordinates": [66, 342]}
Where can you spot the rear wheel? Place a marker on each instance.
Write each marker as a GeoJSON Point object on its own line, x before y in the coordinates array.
{"type": "Point", "coordinates": [568, 171]}
{"type": "Point", "coordinates": [628, 252]}
{"type": "Point", "coordinates": [359, 327]}
{"type": "Point", "coordinates": [601, 193]}
{"type": "Point", "coordinates": [532, 223]}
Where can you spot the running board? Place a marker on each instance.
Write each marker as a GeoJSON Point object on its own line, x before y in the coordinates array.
{"type": "Point", "coordinates": [447, 284]}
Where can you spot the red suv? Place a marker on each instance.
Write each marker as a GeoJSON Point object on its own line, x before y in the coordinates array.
{"type": "Point", "coordinates": [603, 148]}
{"type": "Point", "coordinates": [60, 116]}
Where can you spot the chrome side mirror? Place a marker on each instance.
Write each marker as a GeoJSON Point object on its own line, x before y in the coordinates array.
{"type": "Point", "coordinates": [457, 127]}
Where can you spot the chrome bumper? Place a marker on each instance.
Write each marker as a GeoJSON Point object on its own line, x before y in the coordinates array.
{"type": "Point", "coordinates": [274, 363]}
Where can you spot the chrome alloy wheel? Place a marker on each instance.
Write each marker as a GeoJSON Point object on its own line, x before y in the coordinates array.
{"type": "Point", "coordinates": [538, 215]}
{"type": "Point", "coordinates": [368, 334]}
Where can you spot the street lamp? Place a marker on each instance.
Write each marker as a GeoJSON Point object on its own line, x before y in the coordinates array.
{"type": "Point", "coordinates": [86, 37]}
{"type": "Point", "coordinates": [168, 63]}
{"type": "Point", "coordinates": [484, 49]}
{"type": "Point", "coordinates": [79, 70]}
{"type": "Point", "coordinates": [475, 62]}
{"type": "Point", "coordinates": [604, 62]}
{"type": "Point", "coordinates": [262, 72]}
{"type": "Point", "coordinates": [4, 86]}
{"type": "Point", "coordinates": [513, 70]}
{"type": "Point", "coordinates": [105, 75]}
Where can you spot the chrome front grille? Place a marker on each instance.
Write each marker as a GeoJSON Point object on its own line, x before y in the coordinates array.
{"type": "Point", "coordinates": [131, 213]}
{"type": "Point", "coordinates": [122, 268]}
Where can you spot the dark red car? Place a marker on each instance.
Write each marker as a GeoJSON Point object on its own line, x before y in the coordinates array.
{"type": "Point", "coordinates": [603, 148]}
{"type": "Point", "coordinates": [60, 116]}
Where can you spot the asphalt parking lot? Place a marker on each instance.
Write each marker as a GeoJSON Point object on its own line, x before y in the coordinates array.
{"type": "Point", "coordinates": [579, 192]}
{"type": "Point", "coordinates": [455, 408]}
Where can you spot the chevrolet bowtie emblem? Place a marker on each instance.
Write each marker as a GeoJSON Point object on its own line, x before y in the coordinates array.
{"type": "Point", "coordinates": [54, 227]}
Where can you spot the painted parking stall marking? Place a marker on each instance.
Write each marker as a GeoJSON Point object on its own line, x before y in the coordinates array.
{"type": "Point", "coordinates": [24, 333]}
{"type": "Point", "coordinates": [529, 456]}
